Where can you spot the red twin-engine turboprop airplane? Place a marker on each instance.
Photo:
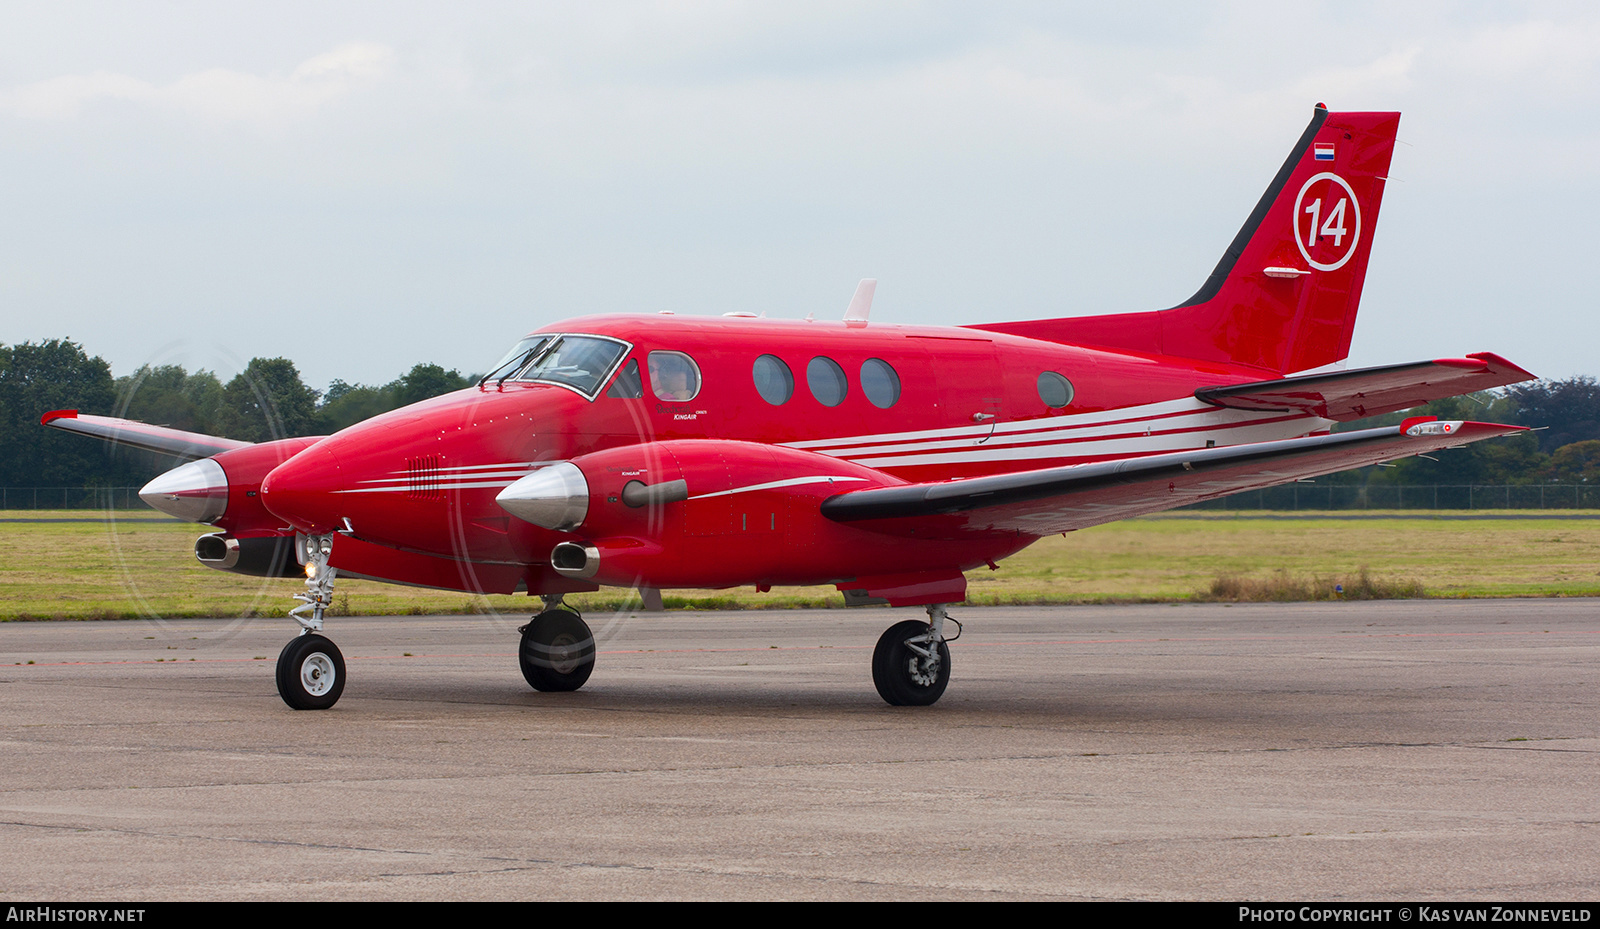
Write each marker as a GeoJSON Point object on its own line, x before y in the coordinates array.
{"type": "Point", "coordinates": [663, 451]}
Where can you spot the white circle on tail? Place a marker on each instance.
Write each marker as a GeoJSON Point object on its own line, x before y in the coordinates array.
{"type": "Point", "coordinates": [1327, 221]}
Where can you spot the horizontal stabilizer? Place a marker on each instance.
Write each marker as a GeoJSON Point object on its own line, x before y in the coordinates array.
{"type": "Point", "coordinates": [1345, 395]}
{"type": "Point", "coordinates": [160, 439]}
{"type": "Point", "coordinates": [1054, 500]}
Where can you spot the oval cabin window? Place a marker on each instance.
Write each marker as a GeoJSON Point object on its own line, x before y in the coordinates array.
{"type": "Point", "coordinates": [774, 380]}
{"type": "Point", "coordinates": [880, 383]}
{"type": "Point", "coordinates": [826, 380]}
{"type": "Point", "coordinates": [1054, 390]}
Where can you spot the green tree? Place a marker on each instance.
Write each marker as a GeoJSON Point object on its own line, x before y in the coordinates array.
{"type": "Point", "coordinates": [1574, 463]}
{"type": "Point", "coordinates": [170, 396]}
{"type": "Point", "coordinates": [267, 401]}
{"type": "Point", "coordinates": [424, 381]}
{"type": "Point", "coordinates": [36, 378]}
{"type": "Point", "coordinates": [348, 404]}
{"type": "Point", "coordinates": [1569, 410]}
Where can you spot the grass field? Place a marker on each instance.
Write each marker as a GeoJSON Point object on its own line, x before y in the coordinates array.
{"type": "Point", "coordinates": [137, 565]}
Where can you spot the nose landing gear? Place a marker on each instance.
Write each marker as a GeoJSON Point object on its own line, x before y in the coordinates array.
{"type": "Point", "coordinates": [310, 671]}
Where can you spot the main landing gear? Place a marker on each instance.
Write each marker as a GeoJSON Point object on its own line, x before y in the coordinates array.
{"type": "Point", "coordinates": [557, 652]}
{"type": "Point", "coordinates": [310, 668]}
{"type": "Point", "coordinates": [911, 665]}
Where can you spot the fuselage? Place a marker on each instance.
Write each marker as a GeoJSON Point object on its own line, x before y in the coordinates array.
{"type": "Point", "coordinates": [851, 403]}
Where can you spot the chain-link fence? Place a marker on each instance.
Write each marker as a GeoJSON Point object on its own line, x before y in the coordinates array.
{"type": "Point", "coordinates": [71, 498]}
{"type": "Point", "coordinates": [1308, 496]}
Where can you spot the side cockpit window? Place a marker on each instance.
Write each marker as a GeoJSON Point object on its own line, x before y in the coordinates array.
{"type": "Point", "coordinates": [627, 385]}
{"type": "Point", "coordinates": [674, 376]}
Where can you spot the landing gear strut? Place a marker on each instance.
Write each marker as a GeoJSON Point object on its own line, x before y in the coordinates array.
{"type": "Point", "coordinates": [557, 652]}
{"type": "Point", "coordinates": [911, 664]}
{"type": "Point", "coordinates": [310, 668]}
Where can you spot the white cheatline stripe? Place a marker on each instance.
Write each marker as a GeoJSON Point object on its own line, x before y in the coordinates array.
{"type": "Point", "coordinates": [1108, 420]}
{"type": "Point", "coordinates": [1209, 422]}
{"type": "Point", "coordinates": [402, 477]}
{"type": "Point", "coordinates": [770, 485]}
{"type": "Point", "coordinates": [1076, 420]}
{"type": "Point", "coordinates": [439, 486]}
{"type": "Point", "coordinates": [511, 470]}
{"type": "Point", "coordinates": [523, 465]}
{"type": "Point", "coordinates": [1186, 424]}
{"type": "Point", "coordinates": [1092, 448]}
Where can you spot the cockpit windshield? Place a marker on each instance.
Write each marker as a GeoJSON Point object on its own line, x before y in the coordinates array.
{"type": "Point", "coordinates": [581, 362]}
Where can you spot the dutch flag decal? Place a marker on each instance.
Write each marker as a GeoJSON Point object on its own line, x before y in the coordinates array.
{"type": "Point", "coordinates": [1323, 151]}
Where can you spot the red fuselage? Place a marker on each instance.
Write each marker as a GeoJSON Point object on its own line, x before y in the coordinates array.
{"type": "Point", "coordinates": [422, 481]}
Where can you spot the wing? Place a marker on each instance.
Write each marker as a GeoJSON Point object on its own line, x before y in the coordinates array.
{"type": "Point", "coordinates": [161, 439]}
{"type": "Point", "coordinates": [1078, 496]}
{"type": "Point", "coordinates": [1345, 395]}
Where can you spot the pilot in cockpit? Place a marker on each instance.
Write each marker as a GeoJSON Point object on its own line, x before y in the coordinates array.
{"type": "Point", "coordinates": [672, 376]}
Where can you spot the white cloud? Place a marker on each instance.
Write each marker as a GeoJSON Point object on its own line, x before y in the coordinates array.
{"type": "Point", "coordinates": [65, 97]}
{"type": "Point", "coordinates": [215, 93]}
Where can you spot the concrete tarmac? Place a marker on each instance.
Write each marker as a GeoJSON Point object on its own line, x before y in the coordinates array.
{"type": "Point", "coordinates": [1428, 750]}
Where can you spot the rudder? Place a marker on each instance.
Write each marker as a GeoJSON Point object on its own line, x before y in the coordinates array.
{"type": "Point", "coordinates": [1285, 293]}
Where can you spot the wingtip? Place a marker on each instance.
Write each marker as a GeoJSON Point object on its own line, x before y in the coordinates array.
{"type": "Point", "coordinates": [1498, 361]}
{"type": "Point", "coordinates": [47, 418]}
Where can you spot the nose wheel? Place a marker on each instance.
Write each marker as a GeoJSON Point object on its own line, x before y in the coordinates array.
{"type": "Point", "coordinates": [557, 652]}
{"type": "Point", "coordinates": [310, 673]}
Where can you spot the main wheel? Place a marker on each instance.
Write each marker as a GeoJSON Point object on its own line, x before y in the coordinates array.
{"type": "Point", "coordinates": [903, 677]}
{"type": "Point", "coordinates": [310, 673]}
{"type": "Point", "coordinates": [557, 651]}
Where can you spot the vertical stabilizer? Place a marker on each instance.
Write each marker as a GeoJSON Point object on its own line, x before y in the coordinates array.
{"type": "Point", "coordinates": [1284, 296]}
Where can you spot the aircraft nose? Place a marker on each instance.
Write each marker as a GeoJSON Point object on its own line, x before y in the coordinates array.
{"type": "Point", "coordinates": [304, 491]}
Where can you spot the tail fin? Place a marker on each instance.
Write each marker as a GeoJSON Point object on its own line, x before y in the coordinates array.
{"type": "Point", "coordinates": [1284, 296]}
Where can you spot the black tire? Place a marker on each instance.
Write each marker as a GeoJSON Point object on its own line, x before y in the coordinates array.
{"type": "Point", "coordinates": [310, 673]}
{"type": "Point", "coordinates": [901, 675]}
{"type": "Point", "coordinates": [557, 653]}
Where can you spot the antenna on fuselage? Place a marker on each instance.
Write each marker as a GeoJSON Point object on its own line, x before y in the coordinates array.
{"type": "Point", "coordinates": [861, 304]}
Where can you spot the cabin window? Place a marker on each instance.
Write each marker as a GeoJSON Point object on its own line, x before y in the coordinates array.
{"type": "Point", "coordinates": [880, 383]}
{"type": "Point", "coordinates": [627, 385]}
{"type": "Point", "coordinates": [1054, 390]}
{"type": "Point", "coordinates": [674, 376]}
{"type": "Point", "coordinates": [826, 380]}
{"type": "Point", "coordinates": [774, 380]}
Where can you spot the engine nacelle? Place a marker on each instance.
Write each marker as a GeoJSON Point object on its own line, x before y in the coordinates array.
{"type": "Point", "coordinates": [225, 489]}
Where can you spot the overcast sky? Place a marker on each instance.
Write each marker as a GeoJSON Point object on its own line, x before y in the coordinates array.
{"type": "Point", "coordinates": [364, 186]}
